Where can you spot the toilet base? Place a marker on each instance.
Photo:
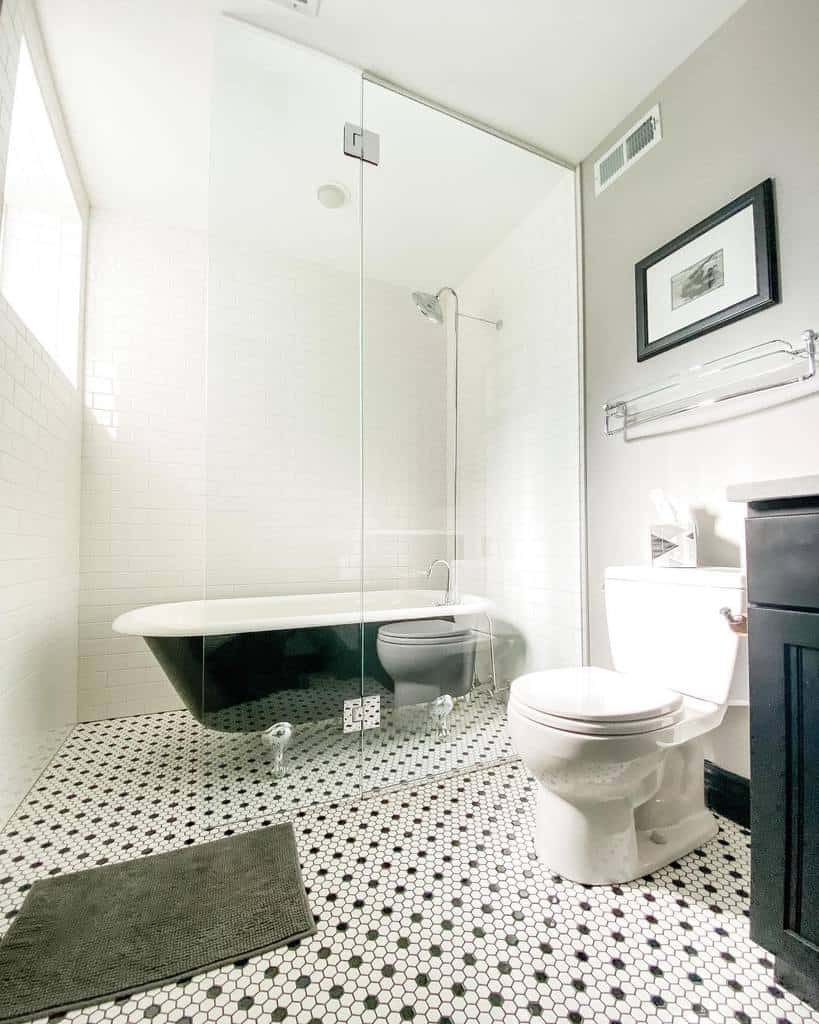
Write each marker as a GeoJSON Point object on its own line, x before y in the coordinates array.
{"type": "Point", "coordinates": [600, 844]}
{"type": "Point", "coordinates": [413, 692]}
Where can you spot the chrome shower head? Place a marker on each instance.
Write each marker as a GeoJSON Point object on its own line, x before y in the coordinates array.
{"type": "Point", "coordinates": [428, 306]}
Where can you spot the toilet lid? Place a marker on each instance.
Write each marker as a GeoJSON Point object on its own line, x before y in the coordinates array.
{"type": "Point", "coordinates": [593, 695]}
{"type": "Point", "coordinates": [423, 630]}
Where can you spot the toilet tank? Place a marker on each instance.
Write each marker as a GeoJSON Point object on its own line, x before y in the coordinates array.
{"type": "Point", "coordinates": [665, 627]}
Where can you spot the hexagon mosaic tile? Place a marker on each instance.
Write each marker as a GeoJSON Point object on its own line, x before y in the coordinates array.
{"type": "Point", "coordinates": [168, 766]}
{"type": "Point", "coordinates": [430, 903]}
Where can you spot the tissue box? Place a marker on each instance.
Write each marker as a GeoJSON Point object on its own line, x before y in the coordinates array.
{"type": "Point", "coordinates": [673, 544]}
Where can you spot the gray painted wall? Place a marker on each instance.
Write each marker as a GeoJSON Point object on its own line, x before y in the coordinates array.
{"type": "Point", "coordinates": [744, 107]}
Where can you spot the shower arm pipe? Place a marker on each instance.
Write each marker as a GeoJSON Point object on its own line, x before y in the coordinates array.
{"type": "Point", "coordinates": [497, 324]}
{"type": "Point", "coordinates": [455, 588]}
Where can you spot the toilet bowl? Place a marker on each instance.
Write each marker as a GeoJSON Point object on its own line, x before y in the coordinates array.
{"type": "Point", "coordinates": [427, 658]}
{"type": "Point", "coordinates": [618, 756]}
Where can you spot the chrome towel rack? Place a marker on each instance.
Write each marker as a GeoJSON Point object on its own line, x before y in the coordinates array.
{"type": "Point", "coordinates": [762, 367]}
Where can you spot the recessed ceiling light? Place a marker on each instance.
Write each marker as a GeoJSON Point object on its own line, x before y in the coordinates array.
{"type": "Point", "coordinates": [332, 195]}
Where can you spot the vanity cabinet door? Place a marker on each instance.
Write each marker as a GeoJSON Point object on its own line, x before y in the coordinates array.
{"type": "Point", "coordinates": [783, 560]}
{"type": "Point", "coordinates": [784, 681]}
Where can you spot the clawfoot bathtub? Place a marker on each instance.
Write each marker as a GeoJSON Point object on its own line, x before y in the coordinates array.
{"type": "Point", "coordinates": [243, 664]}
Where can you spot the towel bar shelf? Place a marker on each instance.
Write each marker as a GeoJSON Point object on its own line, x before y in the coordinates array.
{"type": "Point", "coordinates": [763, 367]}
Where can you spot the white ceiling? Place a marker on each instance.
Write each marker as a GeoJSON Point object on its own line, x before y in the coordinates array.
{"type": "Point", "coordinates": [135, 75]}
{"type": "Point", "coordinates": [440, 199]}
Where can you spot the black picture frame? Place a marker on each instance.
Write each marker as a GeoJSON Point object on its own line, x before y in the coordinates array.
{"type": "Point", "coordinates": [761, 197]}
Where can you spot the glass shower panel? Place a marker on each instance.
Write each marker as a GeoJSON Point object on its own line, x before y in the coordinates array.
{"type": "Point", "coordinates": [281, 652]}
{"type": "Point", "coordinates": [471, 557]}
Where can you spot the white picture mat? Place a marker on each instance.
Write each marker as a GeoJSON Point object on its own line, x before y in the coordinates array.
{"type": "Point", "coordinates": [735, 237]}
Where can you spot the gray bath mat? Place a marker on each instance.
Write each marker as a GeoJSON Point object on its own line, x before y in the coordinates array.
{"type": "Point", "coordinates": [84, 938]}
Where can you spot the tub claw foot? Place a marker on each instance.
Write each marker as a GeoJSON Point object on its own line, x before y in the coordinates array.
{"type": "Point", "coordinates": [439, 712]}
{"type": "Point", "coordinates": [278, 737]}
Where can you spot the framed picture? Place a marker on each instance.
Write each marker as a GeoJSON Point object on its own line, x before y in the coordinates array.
{"type": "Point", "coordinates": [722, 269]}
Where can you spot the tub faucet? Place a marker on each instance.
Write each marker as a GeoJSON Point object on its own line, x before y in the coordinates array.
{"type": "Point", "coordinates": [448, 595]}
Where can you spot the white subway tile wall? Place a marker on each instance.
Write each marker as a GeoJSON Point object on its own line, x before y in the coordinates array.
{"type": "Point", "coordinates": [519, 481]}
{"type": "Point", "coordinates": [284, 430]}
{"type": "Point", "coordinates": [245, 479]}
{"type": "Point", "coordinates": [39, 520]}
{"type": "Point", "coordinates": [406, 441]}
{"type": "Point", "coordinates": [143, 458]}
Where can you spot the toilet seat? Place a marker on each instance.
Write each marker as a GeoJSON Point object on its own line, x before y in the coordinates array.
{"type": "Point", "coordinates": [594, 702]}
{"type": "Point", "coordinates": [424, 632]}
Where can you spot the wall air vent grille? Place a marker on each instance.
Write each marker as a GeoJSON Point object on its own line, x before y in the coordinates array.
{"type": "Point", "coordinates": [637, 141]}
{"type": "Point", "coordinates": [612, 165]}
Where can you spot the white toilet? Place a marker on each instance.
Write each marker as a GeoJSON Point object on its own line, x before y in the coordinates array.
{"type": "Point", "coordinates": [427, 658]}
{"type": "Point", "coordinates": [618, 756]}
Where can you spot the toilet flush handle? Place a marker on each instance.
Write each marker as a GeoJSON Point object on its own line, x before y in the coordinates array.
{"type": "Point", "coordinates": [736, 623]}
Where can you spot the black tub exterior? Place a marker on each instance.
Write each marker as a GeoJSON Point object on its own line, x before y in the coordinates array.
{"type": "Point", "coordinates": [246, 682]}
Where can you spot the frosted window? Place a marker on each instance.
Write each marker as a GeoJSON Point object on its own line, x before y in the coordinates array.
{"type": "Point", "coordinates": [41, 235]}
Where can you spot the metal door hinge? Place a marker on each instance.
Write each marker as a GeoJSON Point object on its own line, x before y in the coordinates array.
{"type": "Point", "coordinates": [360, 715]}
{"type": "Point", "coordinates": [361, 144]}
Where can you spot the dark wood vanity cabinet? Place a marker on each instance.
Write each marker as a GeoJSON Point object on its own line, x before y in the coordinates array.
{"type": "Point", "coordinates": [782, 539]}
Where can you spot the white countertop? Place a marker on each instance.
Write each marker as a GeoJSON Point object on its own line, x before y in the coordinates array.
{"type": "Point", "coordinates": [766, 490]}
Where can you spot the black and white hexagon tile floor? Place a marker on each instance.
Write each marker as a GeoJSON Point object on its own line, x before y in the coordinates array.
{"type": "Point", "coordinates": [429, 901]}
